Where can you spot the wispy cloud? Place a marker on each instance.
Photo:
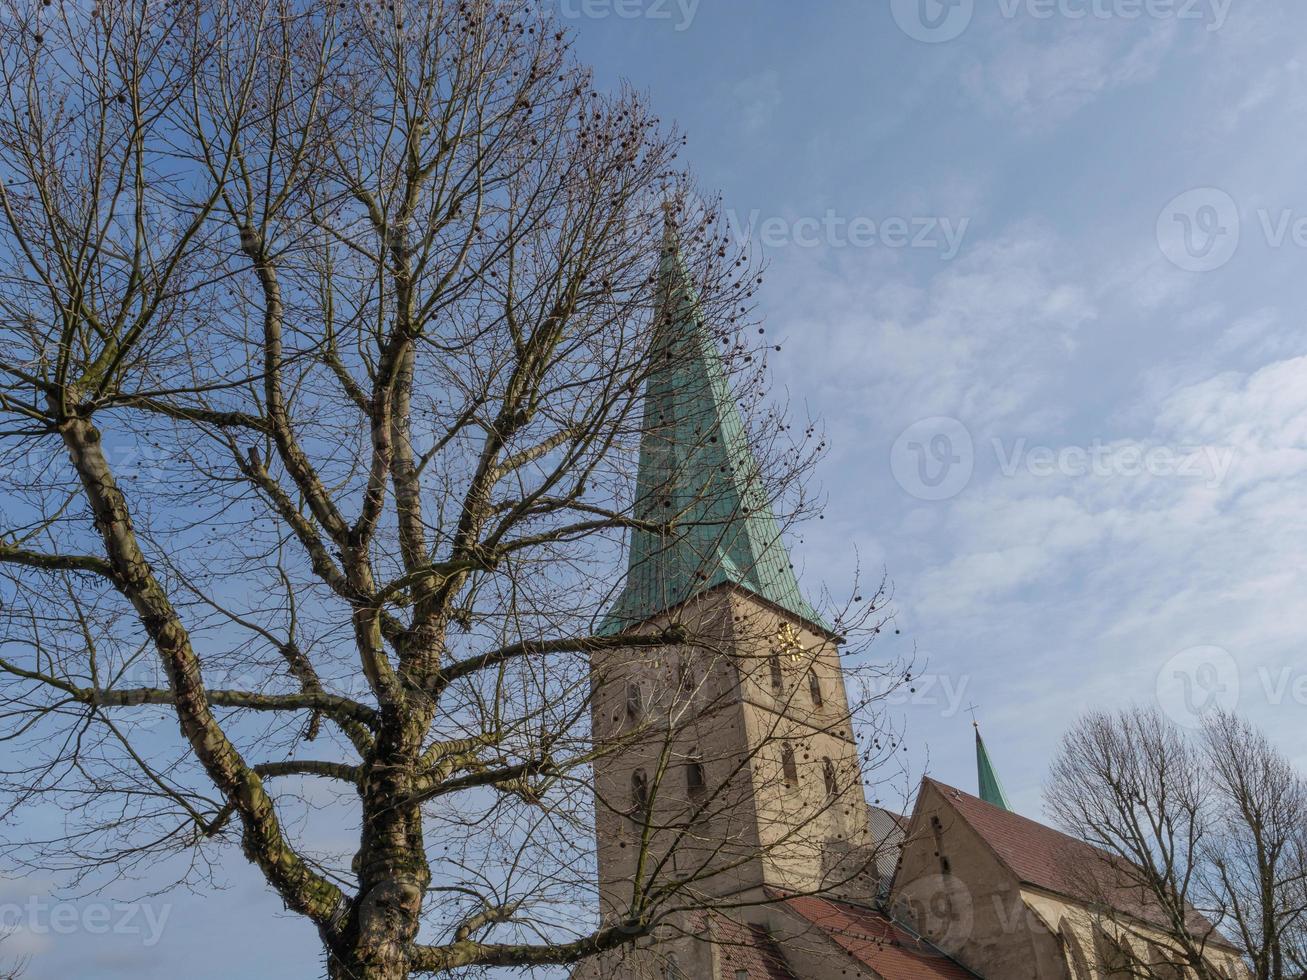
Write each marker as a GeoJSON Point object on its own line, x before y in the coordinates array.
{"type": "Point", "coordinates": [756, 99]}
{"type": "Point", "coordinates": [979, 339]}
{"type": "Point", "coordinates": [1041, 73]}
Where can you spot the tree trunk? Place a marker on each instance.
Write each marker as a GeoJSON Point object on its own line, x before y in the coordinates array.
{"type": "Point", "coordinates": [376, 938]}
{"type": "Point", "coordinates": [374, 943]}
{"type": "Point", "coordinates": [350, 967]}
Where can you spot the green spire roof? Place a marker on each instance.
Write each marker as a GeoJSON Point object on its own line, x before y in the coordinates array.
{"type": "Point", "coordinates": [698, 472]}
{"type": "Point", "coordinates": [991, 790]}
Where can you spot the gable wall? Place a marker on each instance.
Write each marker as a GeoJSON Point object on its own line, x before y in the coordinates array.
{"type": "Point", "coordinates": [971, 906]}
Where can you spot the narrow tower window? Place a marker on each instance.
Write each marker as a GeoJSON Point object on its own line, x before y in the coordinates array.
{"type": "Point", "coordinates": [695, 780]}
{"type": "Point", "coordinates": [685, 676]}
{"type": "Point", "coordinates": [828, 774]}
{"type": "Point", "coordinates": [639, 794]}
{"type": "Point", "coordinates": [634, 702]}
{"type": "Point", "coordinates": [937, 829]}
{"type": "Point", "coordinates": [814, 687]}
{"type": "Point", "coordinates": [777, 678]}
{"type": "Point", "coordinates": [789, 767]}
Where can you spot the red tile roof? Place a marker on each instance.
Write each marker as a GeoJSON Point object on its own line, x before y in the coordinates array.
{"type": "Point", "coordinates": [876, 941]}
{"type": "Point", "coordinates": [750, 948]}
{"type": "Point", "coordinates": [1046, 858]}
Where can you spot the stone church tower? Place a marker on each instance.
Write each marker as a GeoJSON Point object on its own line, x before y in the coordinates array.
{"type": "Point", "coordinates": [727, 768]}
{"type": "Point", "coordinates": [729, 808]}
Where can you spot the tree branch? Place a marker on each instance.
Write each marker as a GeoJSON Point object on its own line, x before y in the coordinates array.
{"type": "Point", "coordinates": [440, 959]}
{"type": "Point", "coordinates": [329, 704]}
{"type": "Point", "coordinates": [578, 644]}
{"type": "Point", "coordinates": [55, 563]}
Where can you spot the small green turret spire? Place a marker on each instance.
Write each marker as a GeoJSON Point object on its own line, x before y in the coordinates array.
{"type": "Point", "coordinates": [991, 790]}
{"type": "Point", "coordinates": [698, 473]}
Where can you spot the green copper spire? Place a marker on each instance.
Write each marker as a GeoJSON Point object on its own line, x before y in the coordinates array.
{"type": "Point", "coordinates": [698, 473]}
{"type": "Point", "coordinates": [991, 790]}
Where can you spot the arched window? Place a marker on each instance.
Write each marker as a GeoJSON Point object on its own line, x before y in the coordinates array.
{"type": "Point", "coordinates": [672, 968]}
{"type": "Point", "coordinates": [777, 677]}
{"type": "Point", "coordinates": [634, 702]}
{"type": "Point", "coordinates": [828, 774]}
{"type": "Point", "coordinates": [1114, 956]}
{"type": "Point", "coordinates": [814, 688]}
{"type": "Point", "coordinates": [789, 768]}
{"type": "Point", "coordinates": [696, 781]}
{"type": "Point", "coordinates": [1166, 964]}
{"type": "Point", "coordinates": [1075, 953]}
{"type": "Point", "coordinates": [685, 676]}
{"type": "Point", "coordinates": [639, 794]}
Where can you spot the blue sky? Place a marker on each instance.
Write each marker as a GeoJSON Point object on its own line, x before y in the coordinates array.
{"type": "Point", "coordinates": [1039, 267]}
{"type": "Point", "coordinates": [1079, 260]}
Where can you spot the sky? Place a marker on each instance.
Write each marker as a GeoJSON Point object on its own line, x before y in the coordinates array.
{"type": "Point", "coordinates": [1038, 267]}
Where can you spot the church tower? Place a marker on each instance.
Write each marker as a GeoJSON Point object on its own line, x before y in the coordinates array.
{"type": "Point", "coordinates": [726, 763]}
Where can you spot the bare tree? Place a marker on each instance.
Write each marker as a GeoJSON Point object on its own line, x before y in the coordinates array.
{"type": "Point", "coordinates": [1256, 864]}
{"type": "Point", "coordinates": [1199, 832]}
{"type": "Point", "coordinates": [323, 332]}
{"type": "Point", "coordinates": [1131, 785]}
{"type": "Point", "coordinates": [15, 969]}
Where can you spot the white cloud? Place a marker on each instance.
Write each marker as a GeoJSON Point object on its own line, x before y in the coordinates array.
{"type": "Point", "coordinates": [1050, 593]}
{"type": "Point", "coordinates": [1041, 73]}
{"type": "Point", "coordinates": [977, 342]}
{"type": "Point", "coordinates": [756, 99]}
{"type": "Point", "coordinates": [1100, 581]}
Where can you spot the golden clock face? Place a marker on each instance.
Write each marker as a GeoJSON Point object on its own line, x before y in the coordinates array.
{"type": "Point", "coordinates": [789, 641]}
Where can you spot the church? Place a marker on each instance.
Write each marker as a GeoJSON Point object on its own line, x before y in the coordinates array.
{"type": "Point", "coordinates": [729, 773]}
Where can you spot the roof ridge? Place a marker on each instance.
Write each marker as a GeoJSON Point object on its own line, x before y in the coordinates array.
{"type": "Point", "coordinates": [1013, 815]}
